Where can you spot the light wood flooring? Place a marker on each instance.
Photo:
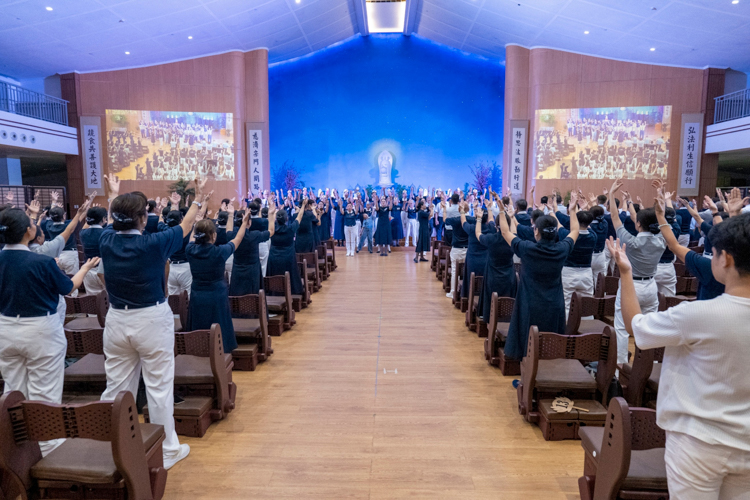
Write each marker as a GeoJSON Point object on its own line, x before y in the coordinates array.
{"type": "Point", "coordinates": [321, 419]}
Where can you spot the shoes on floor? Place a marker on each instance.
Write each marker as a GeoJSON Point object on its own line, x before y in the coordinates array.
{"type": "Point", "coordinates": [449, 295]}
{"type": "Point", "coordinates": [183, 452]}
{"type": "Point", "coordinates": [416, 259]}
{"type": "Point", "coordinates": [516, 383]}
{"type": "Point", "coordinates": [422, 259]}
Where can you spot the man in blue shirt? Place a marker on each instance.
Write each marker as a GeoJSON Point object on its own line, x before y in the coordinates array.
{"type": "Point", "coordinates": [576, 273]}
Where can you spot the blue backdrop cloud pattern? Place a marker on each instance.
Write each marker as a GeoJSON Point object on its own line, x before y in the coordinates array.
{"type": "Point", "coordinates": [436, 109]}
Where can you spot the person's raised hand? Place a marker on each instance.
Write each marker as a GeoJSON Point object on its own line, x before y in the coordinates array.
{"type": "Point", "coordinates": [33, 208]}
{"type": "Point", "coordinates": [605, 192]}
{"type": "Point", "coordinates": [208, 196]}
{"type": "Point", "coordinates": [199, 216]}
{"type": "Point", "coordinates": [573, 207]}
{"type": "Point", "coordinates": [639, 200]}
{"type": "Point", "coordinates": [659, 206]}
{"type": "Point", "coordinates": [91, 263]}
{"type": "Point", "coordinates": [657, 184]}
{"type": "Point", "coordinates": [175, 198]}
{"type": "Point", "coordinates": [615, 186]}
{"type": "Point", "coordinates": [735, 202]}
{"type": "Point", "coordinates": [618, 253]}
{"type": "Point", "coordinates": [113, 185]}
{"type": "Point", "coordinates": [200, 184]}
{"type": "Point", "coordinates": [478, 213]}
{"type": "Point", "coordinates": [708, 202]}
{"type": "Point", "coordinates": [246, 220]}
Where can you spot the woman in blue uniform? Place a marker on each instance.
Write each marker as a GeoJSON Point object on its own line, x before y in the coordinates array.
{"type": "Point", "coordinates": [324, 208]}
{"type": "Point", "coordinates": [247, 275]}
{"type": "Point", "coordinates": [499, 272]}
{"type": "Point", "coordinates": [96, 218]}
{"type": "Point", "coordinates": [540, 293]}
{"type": "Point", "coordinates": [32, 341]}
{"type": "Point", "coordinates": [209, 300]}
{"type": "Point", "coordinates": [383, 228]}
{"type": "Point", "coordinates": [282, 258]}
{"type": "Point", "coordinates": [350, 228]}
{"type": "Point", "coordinates": [425, 211]}
{"type": "Point", "coordinates": [305, 241]}
{"type": "Point", "coordinates": [139, 329]}
{"type": "Point", "coordinates": [68, 260]}
{"type": "Point", "coordinates": [476, 253]}
{"type": "Point", "coordinates": [338, 221]}
{"type": "Point", "coordinates": [397, 225]}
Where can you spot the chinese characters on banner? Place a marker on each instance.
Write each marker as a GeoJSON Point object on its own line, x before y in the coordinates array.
{"type": "Point", "coordinates": [92, 166]}
{"type": "Point", "coordinates": [517, 160]}
{"type": "Point", "coordinates": [255, 160]}
{"type": "Point", "coordinates": [690, 155]}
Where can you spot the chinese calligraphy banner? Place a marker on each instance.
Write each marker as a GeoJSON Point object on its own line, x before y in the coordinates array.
{"type": "Point", "coordinates": [691, 142]}
{"type": "Point", "coordinates": [602, 143]}
{"type": "Point", "coordinates": [91, 155]}
{"type": "Point", "coordinates": [518, 143]}
{"type": "Point", "coordinates": [255, 160]}
{"type": "Point", "coordinates": [170, 145]}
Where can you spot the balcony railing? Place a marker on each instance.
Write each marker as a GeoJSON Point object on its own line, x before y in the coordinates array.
{"type": "Point", "coordinates": [732, 106]}
{"type": "Point", "coordinates": [26, 102]}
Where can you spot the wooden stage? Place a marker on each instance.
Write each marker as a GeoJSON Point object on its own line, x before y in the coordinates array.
{"type": "Point", "coordinates": [321, 419]}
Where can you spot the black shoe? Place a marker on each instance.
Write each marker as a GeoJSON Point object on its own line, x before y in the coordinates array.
{"type": "Point", "coordinates": [416, 259]}
{"type": "Point", "coordinates": [178, 400]}
{"type": "Point", "coordinates": [422, 259]}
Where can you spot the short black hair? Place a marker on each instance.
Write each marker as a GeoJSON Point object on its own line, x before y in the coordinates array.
{"type": "Point", "coordinates": [733, 237]}
{"type": "Point", "coordinates": [56, 214]}
{"type": "Point", "coordinates": [226, 201]}
{"type": "Point", "coordinates": [455, 198]}
{"type": "Point", "coordinates": [597, 211]}
{"type": "Point", "coordinates": [535, 214]}
{"type": "Point", "coordinates": [544, 200]}
{"type": "Point", "coordinates": [127, 209]}
{"type": "Point", "coordinates": [558, 198]}
{"type": "Point", "coordinates": [174, 218]}
{"type": "Point", "coordinates": [601, 199]}
{"type": "Point", "coordinates": [95, 215]}
{"type": "Point", "coordinates": [222, 218]}
{"type": "Point", "coordinates": [254, 207]}
{"type": "Point", "coordinates": [282, 217]}
{"type": "Point", "coordinates": [646, 218]}
{"type": "Point", "coordinates": [151, 206]}
{"type": "Point", "coordinates": [13, 225]}
{"type": "Point", "coordinates": [547, 227]}
{"type": "Point", "coordinates": [521, 205]}
{"type": "Point", "coordinates": [617, 202]}
{"type": "Point", "coordinates": [585, 218]}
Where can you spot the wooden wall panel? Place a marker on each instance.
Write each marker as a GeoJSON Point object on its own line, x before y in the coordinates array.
{"type": "Point", "coordinates": [207, 84]}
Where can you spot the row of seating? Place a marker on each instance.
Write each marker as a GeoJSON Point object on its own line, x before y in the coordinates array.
{"type": "Point", "coordinates": [108, 453]}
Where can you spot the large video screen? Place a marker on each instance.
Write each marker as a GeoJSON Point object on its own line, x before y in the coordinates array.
{"type": "Point", "coordinates": [602, 143]}
{"type": "Point", "coordinates": [170, 145]}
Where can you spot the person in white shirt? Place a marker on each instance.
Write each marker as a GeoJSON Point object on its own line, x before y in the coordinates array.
{"type": "Point", "coordinates": [704, 391]}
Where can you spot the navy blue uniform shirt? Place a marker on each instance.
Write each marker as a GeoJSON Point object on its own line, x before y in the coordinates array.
{"type": "Point", "coordinates": [582, 250]}
{"type": "Point", "coordinates": [30, 283]}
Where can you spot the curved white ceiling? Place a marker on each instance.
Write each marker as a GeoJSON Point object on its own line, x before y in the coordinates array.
{"type": "Point", "coordinates": [92, 35]}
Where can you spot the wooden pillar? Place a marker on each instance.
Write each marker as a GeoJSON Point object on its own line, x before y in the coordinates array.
{"type": "Point", "coordinates": [256, 106]}
{"type": "Point", "coordinates": [516, 105]}
{"type": "Point", "coordinates": [713, 86]}
{"type": "Point", "coordinates": [71, 91]}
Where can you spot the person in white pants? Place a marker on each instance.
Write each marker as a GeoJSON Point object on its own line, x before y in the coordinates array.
{"type": "Point", "coordinates": [32, 341]}
{"type": "Point", "coordinates": [459, 245]}
{"type": "Point", "coordinates": [644, 252]}
{"type": "Point", "coordinates": [139, 329]}
{"type": "Point", "coordinates": [599, 227]}
{"type": "Point", "coordinates": [576, 273]}
{"type": "Point", "coordinates": [180, 277]}
{"type": "Point", "coordinates": [703, 403]}
{"type": "Point", "coordinates": [412, 224]}
{"type": "Point", "coordinates": [666, 277]}
{"type": "Point", "coordinates": [350, 226]}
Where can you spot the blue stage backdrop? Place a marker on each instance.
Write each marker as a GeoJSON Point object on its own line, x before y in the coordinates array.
{"type": "Point", "coordinates": [437, 110]}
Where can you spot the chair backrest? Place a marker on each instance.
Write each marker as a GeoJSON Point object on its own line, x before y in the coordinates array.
{"type": "Point", "coordinates": [686, 285]}
{"type": "Point", "coordinates": [281, 286]}
{"type": "Point", "coordinates": [179, 304]}
{"type": "Point", "coordinates": [83, 342]}
{"type": "Point", "coordinates": [501, 310]}
{"type": "Point", "coordinates": [89, 304]}
{"type": "Point", "coordinates": [24, 423]}
{"type": "Point", "coordinates": [627, 429]}
{"type": "Point", "coordinates": [611, 284]}
{"type": "Point", "coordinates": [253, 306]}
{"type": "Point", "coordinates": [667, 301]}
{"type": "Point", "coordinates": [302, 268]}
{"type": "Point", "coordinates": [310, 257]}
{"type": "Point", "coordinates": [208, 344]}
{"type": "Point", "coordinates": [582, 306]}
{"type": "Point", "coordinates": [681, 269]}
{"type": "Point", "coordinates": [443, 251]}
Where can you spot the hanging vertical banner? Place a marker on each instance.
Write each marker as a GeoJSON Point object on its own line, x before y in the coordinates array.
{"type": "Point", "coordinates": [519, 135]}
{"type": "Point", "coordinates": [92, 165]}
{"type": "Point", "coordinates": [691, 150]}
{"type": "Point", "coordinates": [255, 160]}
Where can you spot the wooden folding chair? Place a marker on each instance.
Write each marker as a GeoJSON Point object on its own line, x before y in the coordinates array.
{"type": "Point", "coordinates": [278, 291]}
{"type": "Point", "coordinates": [250, 320]}
{"type": "Point", "coordinates": [582, 306]}
{"type": "Point", "coordinates": [501, 310]}
{"type": "Point", "coordinates": [90, 305]}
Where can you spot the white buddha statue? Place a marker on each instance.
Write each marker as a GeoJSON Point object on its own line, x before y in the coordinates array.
{"type": "Point", "coordinates": [385, 164]}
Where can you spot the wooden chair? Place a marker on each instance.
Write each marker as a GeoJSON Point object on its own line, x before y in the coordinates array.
{"type": "Point", "coordinates": [686, 286]}
{"type": "Point", "coordinates": [640, 379]}
{"type": "Point", "coordinates": [179, 304]}
{"type": "Point", "coordinates": [606, 285]}
{"type": "Point", "coordinates": [107, 453]}
{"type": "Point", "coordinates": [278, 291]}
{"type": "Point", "coordinates": [667, 301]}
{"type": "Point", "coordinates": [446, 274]}
{"type": "Point", "coordinates": [553, 367]}
{"type": "Point", "coordinates": [97, 305]}
{"type": "Point", "coordinates": [434, 254]}
{"type": "Point", "coordinates": [457, 299]}
{"type": "Point", "coordinates": [443, 262]}
{"type": "Point", "coordinates": [473, 318]}
{"type": "Point", "coordinates": [501, 311]}
{"type": "Point", "coordinates": [87, 375]}
{"type": "Point", "coordinates": [582, 306]}
{"type": "Point", "coordinates": [312, 270]}
{"type": "Point", "coordinates": [331, 253]}
{"type": "Point", "coordinates": [324, 265]}
{"type": "Point", "coordinates": [625, 459]}
{"type": "Point", "coordinates": [680, 269]}
{"type": "Point", "coordinates": [300, 302]}
{"type": "Point", "coordinates": [250, 320]}
{"type": "Point", "coordinates": [203, 379]}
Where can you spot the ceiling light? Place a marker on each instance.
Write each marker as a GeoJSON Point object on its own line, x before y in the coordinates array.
{"type": "Point", "coordinates": [127, 53]}
{"type": "Point", "coordinates": [190, 37]}
{"type": "Point", "coordinates": [386, 17]}
{"type": "Point", "coordinates": [298, 1]}
{"type": "Point", "coordinates": [735, 2]}
{"type": "Point", "coordinates": [585, 32]}
{"type": "Point", "coordinates": [652, 49]}
{"type": "Point", "coordinates": [49, 8]}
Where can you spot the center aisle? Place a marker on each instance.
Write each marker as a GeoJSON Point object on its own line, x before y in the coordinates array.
{"type": "Point", "coordinates": [321, 419]}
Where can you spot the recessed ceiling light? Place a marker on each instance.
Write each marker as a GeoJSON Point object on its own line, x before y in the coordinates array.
{"type": "Point", "coordinates": [127, 53]}
{"type": "Point", "coordinates": [735, 2]}
{"type": "Point", "coordinates": [652, 49]}
{"type": "Point", "coordinates": [190, 37]}
{"type": "Point", "coordinates": [298, 1]}
{"type": "Point", "coordinates": [48, 8]}
{"type": "Point", "coordinates": [585, 32]}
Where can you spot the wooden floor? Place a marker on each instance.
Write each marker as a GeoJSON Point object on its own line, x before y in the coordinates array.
{"type": "Point", "coordinates": [328, 417]}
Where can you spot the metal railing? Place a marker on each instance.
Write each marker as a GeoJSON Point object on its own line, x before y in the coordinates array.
{"type": "Point", "coordinates": [20, 195]}
{"type": "Point", "coordinates": [26, 102]}
{"type": "Point", "coordinates": [732, 106]}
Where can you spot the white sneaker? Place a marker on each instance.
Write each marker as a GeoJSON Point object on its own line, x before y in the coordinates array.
{"type": "Point", "coordinates": [183, 452]}
{"type": "Point", "coordinates": [449, 295]}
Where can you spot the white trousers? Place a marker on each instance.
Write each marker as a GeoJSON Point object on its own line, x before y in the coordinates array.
{"type": "Point", "coordinates": [683, 239]}
{"type": "Point", "coordinates": [666, 279]}
{"type": "Point", "coordinates": [405, 222]}
{"type": "Point", "coordinates": [92, 282]}
{"type": "Point", "coordinates": [457, 255]}
{"type": "Point", "coordinates": [700, 471]}
{"type": "Point", "coordinates": [350, 234]}
{"type": "Point", "coordinates": [32, 360]}
{"type": "Point", "coordinates": [412, 229]}
{"type": "Point", "coordinates": [228, 267]}
{"type": "Point", "coordinates": [180, 278]}
{"type": "Point", "coordinates": [609, 260]}
{"type": "Point", "coordinates": [648, 298]}
{"type": "Point", "coordinates": [598, 265]}
{"type": "Point", "coordinates": [356, 236]}
{"type": "Point", "coordinates": [138, 340]}
{"type": "Point", "coordinates": [263, 249]}
{"type": "Point", "coordinates": [68, 261]}
{"type": "Point", "coordinates": [576, 279]}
